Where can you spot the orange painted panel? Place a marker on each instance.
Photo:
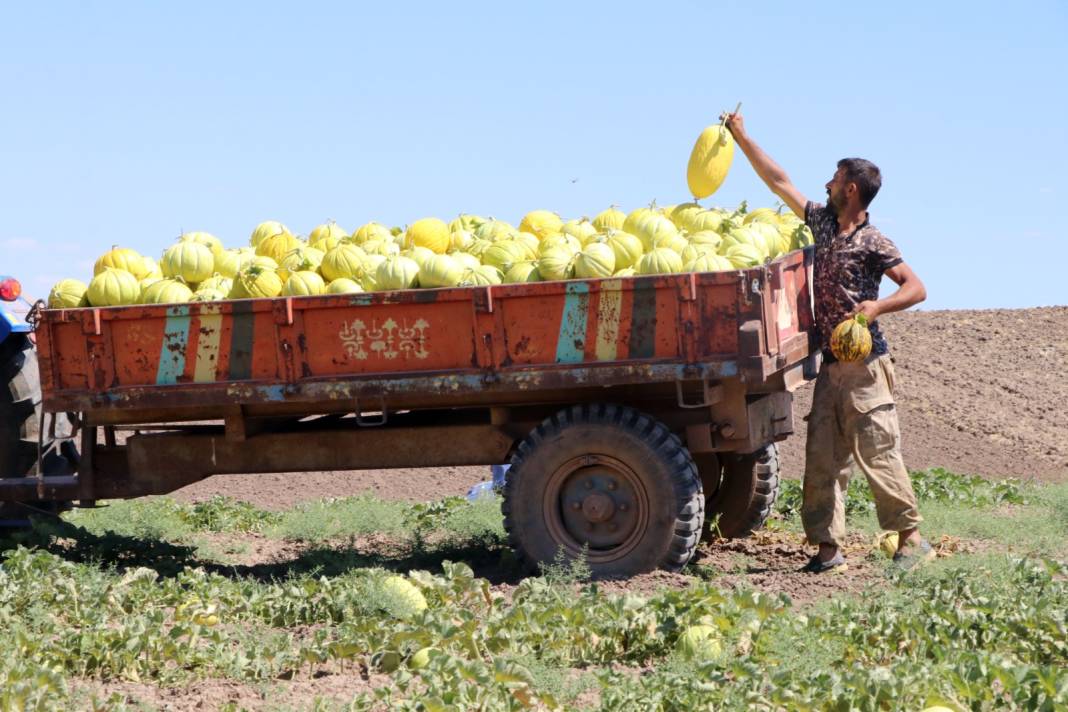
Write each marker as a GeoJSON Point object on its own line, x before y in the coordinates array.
{"type": "Point", "coordinates": [385, 338]}
{"type": "Point", "coordinates": [70, 361]}
{"type": "Point", "coordinates": [136, 345]}
{"type": "Point", "coordinates": [718, 308]}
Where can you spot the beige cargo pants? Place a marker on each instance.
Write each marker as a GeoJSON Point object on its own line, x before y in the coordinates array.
{"type": "Point", "coordinates": [854, 422]}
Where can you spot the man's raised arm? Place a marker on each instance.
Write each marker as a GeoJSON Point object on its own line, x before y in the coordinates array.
{"type": "Point", "coordinates": [768, 170]}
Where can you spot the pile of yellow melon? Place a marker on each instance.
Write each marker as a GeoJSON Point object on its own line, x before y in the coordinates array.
{"type": "Point", "coordinates": [468, 251]}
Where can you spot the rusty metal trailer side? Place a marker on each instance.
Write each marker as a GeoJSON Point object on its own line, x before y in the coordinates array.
{"type": "Point", "coordinates": [422, 348]}
{"type": "Point", "coordinates": [448, 376]}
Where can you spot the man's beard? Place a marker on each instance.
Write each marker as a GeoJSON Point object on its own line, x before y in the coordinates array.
{"type": "Point", "coordinates": [836, 204]}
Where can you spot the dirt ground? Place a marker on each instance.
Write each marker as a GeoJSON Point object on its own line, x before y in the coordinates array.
{"type": "Point", "coordinates": [979, 392]}
{"type": "Point", "coordinates": [327, 682]}
{"type": "Point", "coordinates": [282, 491]}
{"type": "Point", "coordinates": [768, 561]}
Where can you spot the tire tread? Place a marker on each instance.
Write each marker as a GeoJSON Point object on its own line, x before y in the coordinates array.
{"type": "Point", "coordinates": [686, 484]}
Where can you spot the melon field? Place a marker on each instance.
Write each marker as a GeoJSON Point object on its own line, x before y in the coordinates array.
{"type": "Point", "coordinates": [280, 592]}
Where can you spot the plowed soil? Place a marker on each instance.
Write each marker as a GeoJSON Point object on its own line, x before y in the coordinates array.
{"type": "Point", "coordinates": [979, 392]}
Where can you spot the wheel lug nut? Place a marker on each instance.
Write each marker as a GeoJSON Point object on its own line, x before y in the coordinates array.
{"type": "Point", "coordinates": [576, 505]}
{"type": "Point", "coordinates": [589, 484]}
{"type": "Point", "coordinates": [611, 484]}
{"type": "Point", "coordinates": [623, 507]}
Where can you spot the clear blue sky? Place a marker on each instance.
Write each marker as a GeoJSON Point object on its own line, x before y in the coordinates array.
{"type": "Point", "coordinates": [125, 123]}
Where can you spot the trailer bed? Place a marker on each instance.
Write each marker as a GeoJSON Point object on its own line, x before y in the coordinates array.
{"type": "Point", "coordinates": [425, 348]}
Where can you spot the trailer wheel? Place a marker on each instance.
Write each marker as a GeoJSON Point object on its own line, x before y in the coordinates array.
{"type": "Point", "coordinates": [740, 489]}
{"type": "Point", "coordinates": [608, 479]}
{"type": "Point", "coordinates": [21, 418]}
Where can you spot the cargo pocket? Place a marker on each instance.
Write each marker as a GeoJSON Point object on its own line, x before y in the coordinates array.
{"type": "Point", "coordinates": [877, 431]}
{"type": "Point", "coordinates": [869, 385]}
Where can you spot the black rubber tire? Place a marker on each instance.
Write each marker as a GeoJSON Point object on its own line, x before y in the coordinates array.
{"type": "Point", "coordinates": [741, 491]}
{"type": "Point", "coordinates": [662, 528]}
{"type": "Point", "coordinates": [20, 423]}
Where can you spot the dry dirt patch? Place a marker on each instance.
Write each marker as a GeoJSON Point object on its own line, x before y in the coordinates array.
{"type": "Point", "coordinates": [327, 683]}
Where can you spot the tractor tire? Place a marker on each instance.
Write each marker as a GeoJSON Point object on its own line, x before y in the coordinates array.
{"type": "Point", "coordinates": [21, 418]}
{"type": "Point", "coordinates": [606, 482]}
{"type": "Point", "coordinates": [741, 491]}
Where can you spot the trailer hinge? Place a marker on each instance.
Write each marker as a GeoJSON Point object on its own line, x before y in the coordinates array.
{"type": "Point", "coordinates": [690, 293]}
{"type": "Point", "coordinates": [484, 300]}
{"type": "Point", "coordinates": [283, 312]}
{"type": "Point", "coordinates": [95, 326]}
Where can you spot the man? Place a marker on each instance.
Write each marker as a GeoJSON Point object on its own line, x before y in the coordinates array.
{"type": "Point", "coordinates": [853, 416]}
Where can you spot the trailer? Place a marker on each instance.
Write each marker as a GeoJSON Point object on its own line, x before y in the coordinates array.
{"type": "Point", "coordinates": [638, 414]}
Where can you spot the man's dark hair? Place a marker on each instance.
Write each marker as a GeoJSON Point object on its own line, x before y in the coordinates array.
{"type": "Point", "coordinates": [866, 175]}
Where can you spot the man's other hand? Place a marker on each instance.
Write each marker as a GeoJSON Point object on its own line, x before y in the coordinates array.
{"type": "Point", "coordinates": [870, 310]}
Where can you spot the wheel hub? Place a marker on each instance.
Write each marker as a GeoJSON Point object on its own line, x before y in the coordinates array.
{"type": "Point", "coordinates": [598, 507]}
{"type": "Point", "coordinates": [601, 506]}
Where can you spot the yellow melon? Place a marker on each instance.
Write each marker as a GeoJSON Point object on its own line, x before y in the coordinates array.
{"type": "Point", "coordinates": [709, 161]}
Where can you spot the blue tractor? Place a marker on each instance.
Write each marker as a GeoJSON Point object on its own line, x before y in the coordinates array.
{"type": "Point", "coordinates": [31, 444]}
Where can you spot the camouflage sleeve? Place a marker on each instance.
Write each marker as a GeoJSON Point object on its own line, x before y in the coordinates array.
{"type": "Point", "coordinates": [883, 253]}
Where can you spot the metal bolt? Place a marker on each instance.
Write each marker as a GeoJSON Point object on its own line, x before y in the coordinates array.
{"type": "Point", "coordinates": [576, 505]}
{"type": "Point", "coordinates": [589, 484]}
{"type": "Point", "coordinates": [623, 506]}
{"type": "Point", "coordinates": [612, 484]}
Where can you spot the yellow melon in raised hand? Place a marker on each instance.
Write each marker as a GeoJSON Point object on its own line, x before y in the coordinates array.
{"type": "Point", "coordinates": [710, 161]}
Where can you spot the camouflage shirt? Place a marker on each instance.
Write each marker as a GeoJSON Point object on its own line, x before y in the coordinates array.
{"type": "Point", "coordinates": [847, 271]}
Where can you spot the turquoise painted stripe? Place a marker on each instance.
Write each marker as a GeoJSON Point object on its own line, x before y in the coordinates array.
{"type": "Point", "coordinates": [175, 342]}
{"type": "Point", "coordinates": [571, 345]}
